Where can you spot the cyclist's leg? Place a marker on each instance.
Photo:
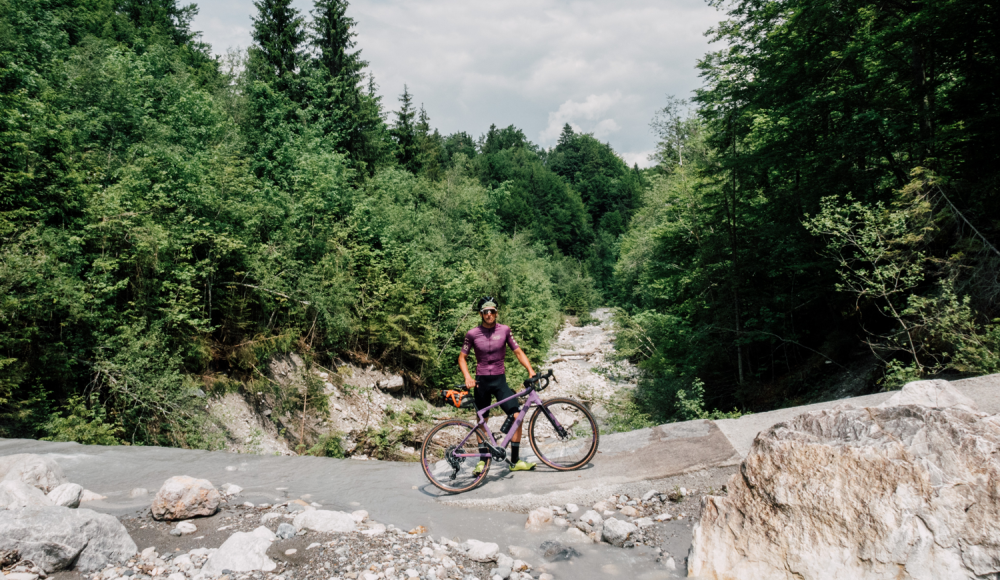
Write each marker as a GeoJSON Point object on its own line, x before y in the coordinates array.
{"type": "Point", "coordinates": [483, 397]}
{"type": "Point", "coordinates": [511, 408]}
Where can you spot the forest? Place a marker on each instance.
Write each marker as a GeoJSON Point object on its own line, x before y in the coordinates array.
{"type": "Point", "coordinates": [820, 219]}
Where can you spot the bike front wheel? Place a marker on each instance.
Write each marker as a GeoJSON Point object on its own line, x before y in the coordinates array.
{"type": "Point", "coordinates": [563, 434]}
{"type": "Point", "coordinates": [440, 456]}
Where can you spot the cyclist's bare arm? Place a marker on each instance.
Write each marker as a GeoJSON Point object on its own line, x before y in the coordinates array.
{"type": "Point", "coordinates": [521, 358]}
{"type": "Point", "coordinates": [470, 383]}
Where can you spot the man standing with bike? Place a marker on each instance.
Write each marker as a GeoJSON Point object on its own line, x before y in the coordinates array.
{"type": "Point", "coordinates": [489, 341]}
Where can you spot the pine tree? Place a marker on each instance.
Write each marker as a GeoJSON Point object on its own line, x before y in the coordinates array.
{"type": "Point", "coordinates": [333, 37]}
{"type": "Point", "coordinates": [404, 132]}
{"type": "Point", "coordinates": [278, 32]}
{"type": "Point", "coordinates": [431, 147]}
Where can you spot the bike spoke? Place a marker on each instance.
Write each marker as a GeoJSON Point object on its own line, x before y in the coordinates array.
{"type": "Point", "coordinates": [441, 463]}
{"type": "Point", "coordinates": [570, 445]}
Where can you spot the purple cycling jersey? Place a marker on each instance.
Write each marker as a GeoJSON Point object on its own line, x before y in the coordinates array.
{"type": "Point", "coordinates": [489, 344]}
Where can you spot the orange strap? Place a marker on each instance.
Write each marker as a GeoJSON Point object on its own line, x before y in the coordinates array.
{"type": "Point", "coordinates": [455, 396]}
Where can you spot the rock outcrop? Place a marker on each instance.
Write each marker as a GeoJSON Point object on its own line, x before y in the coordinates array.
{"type": "Point", "coordinates": [325, 521]}
{"type": "Point", "coordinates": [59, 538]}
{"type": "Point", "coordinates": [66, 495]}
{"type": "Point", "coordinates": [35, 470]}
{"type": "Point", "coordinates": [242, 552]}
{"type": "Point", "coordinates": [183, 497]}
{"type": "Point", "coordinates": [899, 492]}
{"type": "Point", "coordinates": [17, 494]}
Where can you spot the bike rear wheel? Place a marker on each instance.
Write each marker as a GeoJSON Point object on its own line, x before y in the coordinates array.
{"type": "Point", "coordinates": [570, 447]}
{"type": "Point", "coordinates": [437, 456]}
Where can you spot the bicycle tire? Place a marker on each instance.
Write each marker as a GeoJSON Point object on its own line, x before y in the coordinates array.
{"type": "Point", "coordinates": [570, 452]}
{"type": "Point", "coordinates": [435, 465]}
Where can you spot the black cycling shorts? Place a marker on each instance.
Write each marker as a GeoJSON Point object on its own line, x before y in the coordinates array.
{"type": "Point", "coordinates": [490, 386]}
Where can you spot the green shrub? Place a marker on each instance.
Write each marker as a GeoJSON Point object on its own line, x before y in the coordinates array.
{"type": "Point", "coordinates": [82, 424]}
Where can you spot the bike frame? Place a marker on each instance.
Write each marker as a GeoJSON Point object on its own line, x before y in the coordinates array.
{"type": "Point", "coordinates": [532, 400]}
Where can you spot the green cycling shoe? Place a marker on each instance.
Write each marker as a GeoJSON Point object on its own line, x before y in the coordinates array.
{"type": "Point", "coordinates": [522, 465]}
{"type": "Point", "coordinates": [479, 468]}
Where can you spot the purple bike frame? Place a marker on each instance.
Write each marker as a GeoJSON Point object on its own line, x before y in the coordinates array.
{"type": "Point", "coordinates": [533, 399]}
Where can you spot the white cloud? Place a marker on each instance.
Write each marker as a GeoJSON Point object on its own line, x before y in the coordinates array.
{"type": "Point", "coordinates": [574, 113]}
{"type": "Point", "coordinates": [640, 158]}
{"type": "Point", "coordinates": [530, 63]}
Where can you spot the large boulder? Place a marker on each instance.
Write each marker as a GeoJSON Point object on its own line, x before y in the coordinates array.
{"type": "Point", "coordinates": [17, 494]}
{"type": "Point", "coordinates": [616, 532]}
{"type": "Point", "coordinates": [59, 538]}
{"type": "Point", "coordinates": [183, 497]}
{"type": "Point", "coordinates": [325, 521]}
{"type": "Point", "coordinates": [66, 495]}
{"type": "Point", "coordinates": [35, 470]}
{"type": "Point", "coordinates": [242, 552]}
{"type": "Point", "coordinates": [895, 492]}
{"type": "Point", "coordinates": [937, 394]}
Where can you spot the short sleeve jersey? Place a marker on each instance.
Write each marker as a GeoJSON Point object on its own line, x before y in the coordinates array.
{"type": "Point", "coordinates": [489, 345]}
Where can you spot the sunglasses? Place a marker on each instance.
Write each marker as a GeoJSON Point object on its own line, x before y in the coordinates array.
{"type": "Point", "coordinates": [487, 311]}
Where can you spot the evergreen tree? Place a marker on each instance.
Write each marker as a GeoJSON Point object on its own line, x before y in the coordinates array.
{"type": "Point", "coordinates": [431, 147]}
{"type": "Point", "coordinates": [333, 37]}
{"type": "Point", "coordinates": [404, 133]}
{"type": "Point", "coordinates": [278, 32]}
{"type": "Point", "coordinates": [161, 16]}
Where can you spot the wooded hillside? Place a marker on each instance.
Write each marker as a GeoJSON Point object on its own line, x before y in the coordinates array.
{"type": "Point", "coordinates": [824, 208]}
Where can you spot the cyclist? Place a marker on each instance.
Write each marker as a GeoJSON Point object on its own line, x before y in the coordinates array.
{"type": "Point", "coordinates": [490, 340]}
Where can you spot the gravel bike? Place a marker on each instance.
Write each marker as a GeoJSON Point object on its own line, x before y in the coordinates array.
{"type": "Point", "coordinates": [562, 432]}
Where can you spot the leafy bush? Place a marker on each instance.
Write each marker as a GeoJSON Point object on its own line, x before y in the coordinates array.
{"type": "Point", "coordinates": [82, 424]}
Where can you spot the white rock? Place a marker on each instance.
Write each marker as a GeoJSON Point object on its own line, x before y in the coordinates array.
{"type": "Point", "coordinates": [138, 492]}
{"type": "Point", "coordinates": [520, 566]}
{"type": "Point", "coordinates": [291, 551]}
{"type": "Point", "coordinates": [546, 576]}
{"type": "Point", "coordinates": [21, 576]}
{"type": "Point", "coordinates": [592, 518]}
{"type": "Point", "coordinates": [241, 552]}
{"type": "Point", "coordinates": [411, 573]}
{"type": "Point", "coordinates": [505, 565]}
{"type": "Point", "coordinates": [630, 512]}
{"type": "Point", "coordinates": [603, 506]}
{"type": "Point", "coordinates": [91, 496]}
{"type": "Point", "coordinates": [177, 576]}
{"type": "Point", "coordinates": [670, 564]}
{"type": "Point", "coordinates": [934, 394]}
{"type": "Point", "coordinates": [186, 528]}
{"type": "Point", "coordinates": [66, 495]}
{"type": "Point", "coordinates": [35, 470]}
{"type": "Point", "coordinates": [325, 521]}
{"type": "Point", "coordinates": [268, 517]}
{"type": "Point", "coordinates": [15, 494]}
{"type": "Point", "coordinates": [313, 545]}
{"type": "Point", "coordinates": [538, 519]}
{"type": "Point", "coordinates": [643, 522]}
{"type": "Point", "coordinates": [899, 491]}
{"type": "Point", "coordinates": [572, 508]}
{"type": "Point", "coordinates": [520, 552]}
{"type": "Point", "coordinates": [56, 537]}
{"type": "Point", "coordinates": [359, 516]}
{"type": "Point", "coordinates": [394, 383]}
{"type": "Point", "coordinates": [482, 551]}
{"type": "Point", "coordinates": [231, 489]}
{"type": "Point", "coordinates": [575, 536]}
{"type": "Point", "coordinates": [183, 497]}
{"type": "Point", "coordinates": [616, 532]}
{"type": "Point", "coordinates": [649, 495]}
{"type": "Point", "coordinates": [374, 530]}
{"type": "Point", "coordinates": [560, 522]}
{"type": "Point", "coordinates": [663, 517]}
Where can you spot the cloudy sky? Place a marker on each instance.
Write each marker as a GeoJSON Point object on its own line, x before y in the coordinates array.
{"type": "Point", "coordinates": [603, 67]}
